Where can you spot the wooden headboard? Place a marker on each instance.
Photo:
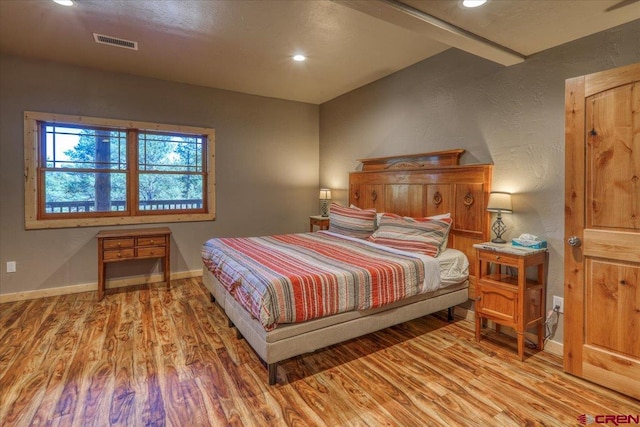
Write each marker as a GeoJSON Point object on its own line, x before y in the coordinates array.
{"type": "Point", "coordinates": [430, 184]}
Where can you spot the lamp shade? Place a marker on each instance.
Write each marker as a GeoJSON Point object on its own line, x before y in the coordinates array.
{"type": "Point", "coordinates": [499, 202]}
{"type": "Point", "coordinates": [325, 194]}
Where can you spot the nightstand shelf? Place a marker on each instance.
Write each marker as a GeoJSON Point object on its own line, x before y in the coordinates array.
{"type": "Point", "coordinates": [508, 281]}
{"type": "Point", "coordinates": [511, 300]}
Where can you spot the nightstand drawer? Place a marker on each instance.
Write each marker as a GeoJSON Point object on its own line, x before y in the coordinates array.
{"type": "Point", "coordinates": [500, 257]}
{"type": "Point", "coordinates": [118, 254]}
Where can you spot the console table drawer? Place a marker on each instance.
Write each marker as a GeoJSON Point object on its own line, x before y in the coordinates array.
{"type": "Point", "coordinates": [118, 254]}
{"type": "Point", "coordinates": [117, 243]}
{"type": "Point", "coordinates": [151, 241]}
{"type": "Point", "coordinates": [154, 251]}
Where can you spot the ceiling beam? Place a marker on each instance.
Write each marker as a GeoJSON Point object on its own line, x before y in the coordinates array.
{"type": "Point", "coordinates": [405, 16]}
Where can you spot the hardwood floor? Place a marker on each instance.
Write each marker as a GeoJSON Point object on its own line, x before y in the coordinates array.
{"type": "Point", "coordinates": [151, 356]}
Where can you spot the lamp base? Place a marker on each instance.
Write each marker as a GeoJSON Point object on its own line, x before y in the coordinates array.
{"type": "Point", "coordinates": [499, 228]}
{"type": "Point", "coordinates": [324, 207]}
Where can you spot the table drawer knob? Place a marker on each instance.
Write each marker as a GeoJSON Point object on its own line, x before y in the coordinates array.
{"type": "Point", "coordinates": [119, 255]}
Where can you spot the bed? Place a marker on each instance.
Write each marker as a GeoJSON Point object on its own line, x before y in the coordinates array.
{"type": "Point", "coordinates": [431, 187]}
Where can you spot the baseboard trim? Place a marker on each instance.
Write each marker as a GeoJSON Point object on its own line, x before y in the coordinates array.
{"type": "Point", "coordinates": [88, 287]}
{"type": "Point", "coordinates": [554, 347]}
{"type": "Point", "coordinates": [550, 346]}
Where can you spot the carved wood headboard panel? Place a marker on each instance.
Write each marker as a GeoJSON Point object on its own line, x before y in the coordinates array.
{"type": "Point", "coordinates": [430, 184]}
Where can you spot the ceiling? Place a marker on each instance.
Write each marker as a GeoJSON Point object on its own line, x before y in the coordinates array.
{"type": "Point", "coordinates": [246, 45]}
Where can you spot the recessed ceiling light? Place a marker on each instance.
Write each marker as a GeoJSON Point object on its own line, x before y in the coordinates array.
{"type": "Point", "coordinates": [473, 3]}
{"type": "Point", "coordinates": [64, 2]}
{"type": "Point", "coordinates": [299, 58]}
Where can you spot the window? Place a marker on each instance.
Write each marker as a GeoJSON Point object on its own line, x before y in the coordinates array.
{"type": "Point", "coordinates": [84, 171]}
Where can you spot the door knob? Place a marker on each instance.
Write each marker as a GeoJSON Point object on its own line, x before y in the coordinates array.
{"type": "Point", "coordinates": [574, 241]}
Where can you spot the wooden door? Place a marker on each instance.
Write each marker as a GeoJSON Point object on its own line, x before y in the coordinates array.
{"type": "Point", "coordinates": [602, 229]}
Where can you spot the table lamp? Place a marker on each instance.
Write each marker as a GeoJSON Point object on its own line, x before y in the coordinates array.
{"type": "Point", "coordinates": [499, 202]}
{"type": "Point", "coordinates": [325, 196]}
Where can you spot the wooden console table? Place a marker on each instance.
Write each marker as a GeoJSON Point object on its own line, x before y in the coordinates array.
{"type": "Point", "coordinates": [125, 245]}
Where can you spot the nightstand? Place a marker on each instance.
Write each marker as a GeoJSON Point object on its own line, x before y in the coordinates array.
{"type": "Point", "coordinates": [321, 221]}
{"type": "Point", "coordinates": [511, 300]}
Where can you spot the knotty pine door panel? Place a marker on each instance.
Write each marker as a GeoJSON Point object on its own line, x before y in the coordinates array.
{"type": "Point", "coordinates": [612, 296]}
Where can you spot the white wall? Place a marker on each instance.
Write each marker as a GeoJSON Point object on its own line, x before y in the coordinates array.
{"type": "Point", "coordinates": [511, 117]}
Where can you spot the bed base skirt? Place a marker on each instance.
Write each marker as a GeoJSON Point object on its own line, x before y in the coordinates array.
{"type": "Point", "coordinates": [288, 341]}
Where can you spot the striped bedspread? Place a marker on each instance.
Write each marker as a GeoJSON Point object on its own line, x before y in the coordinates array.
{"type": "Point", "coordinates": [297, 277]}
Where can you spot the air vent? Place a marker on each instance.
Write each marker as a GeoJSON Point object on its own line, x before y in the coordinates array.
{"type": "Point", "coordinates": [115, 41]}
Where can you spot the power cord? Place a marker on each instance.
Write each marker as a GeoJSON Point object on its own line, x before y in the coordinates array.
{"type": "Point", "coordinates": [550, 325]}
{"type": "Point", "coordinates": [551, 329]}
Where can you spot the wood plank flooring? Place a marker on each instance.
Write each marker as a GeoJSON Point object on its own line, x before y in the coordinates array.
{"type": "Point", "coordinates": [147, 356]}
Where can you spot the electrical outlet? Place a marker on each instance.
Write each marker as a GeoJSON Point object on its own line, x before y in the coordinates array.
{"type": "Point", "coordinates": [11, 267]}
{"type": "Point", "coordinates": [558, 302]}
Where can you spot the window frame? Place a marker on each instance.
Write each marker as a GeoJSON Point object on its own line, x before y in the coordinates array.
{"type": "Point", "coordinates": [36, 219]}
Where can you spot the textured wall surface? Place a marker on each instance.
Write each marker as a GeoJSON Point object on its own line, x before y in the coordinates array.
{"type": "Point", "coordinates": [511, 117]}
{"type": "Point", "coordinates": [266, 165]}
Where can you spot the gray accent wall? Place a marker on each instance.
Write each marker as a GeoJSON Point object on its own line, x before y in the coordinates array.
{"type": "Point", "coordinates": [511, 117]}
{"type": "Point", "coordinates": [266, 166]}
